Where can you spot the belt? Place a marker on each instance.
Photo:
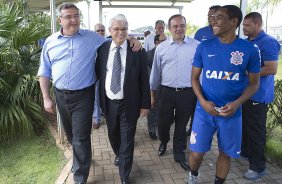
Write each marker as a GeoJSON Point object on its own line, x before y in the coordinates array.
{"type": "Point", "coordinates": [65, 91]}
{"type": "Point", "coordinates": [115, 100]}
{"type": "Point", "coordinates": [177, 89]}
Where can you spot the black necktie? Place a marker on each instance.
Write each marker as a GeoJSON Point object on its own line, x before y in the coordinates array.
{"type": "Point", "coordinates": [116, 73]}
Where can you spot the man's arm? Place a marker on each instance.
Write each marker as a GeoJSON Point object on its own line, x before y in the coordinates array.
{"type": "Point", "coordinates": [48, 102]}
{"type": "Point", "coordinates": [230, 108]}
{"type": "Point", "coordinates": [144, 85]}
{"type": "Point", "coordinates": [155, 78]}
{"type": "Point", "coordinates": [207, 105]}
{"type": "Point", "coordinates": [269, 68]}
{"type": "Point", "coordinates": [136, 44]}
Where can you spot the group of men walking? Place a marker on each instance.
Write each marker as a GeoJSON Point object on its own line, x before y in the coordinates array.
{"type": "Point", "coordinates": [207, 83]}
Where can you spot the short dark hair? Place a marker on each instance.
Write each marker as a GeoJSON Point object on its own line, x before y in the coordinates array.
{"type": "Point", "coordinates": [234, 12]}
{"type": "Point", "coordinates": [66, 5]}
{"type": "Point", "coordinates": [174, 16]}
{"type": "Point", "coordinates": [255, 16]}
{"type": "Point", "coordinates": [214, 7]}
{"type": "Point", "coordinates": [159, 22]}
{"type": "Point", "coordinates": [156, 38]}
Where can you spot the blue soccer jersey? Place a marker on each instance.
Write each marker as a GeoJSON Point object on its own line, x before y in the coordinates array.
{"type": "Point", "coordinates": [224, 68]}
{"type": "Point", "coordinates": [204, 34]}
{"type": "Point", "coordinates": [269, 50]}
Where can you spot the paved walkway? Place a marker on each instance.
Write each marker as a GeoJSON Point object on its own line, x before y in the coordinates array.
{"type": "Point", "coordinates": [149, 168]}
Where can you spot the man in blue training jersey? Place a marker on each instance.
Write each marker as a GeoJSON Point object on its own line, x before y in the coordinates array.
{"type": "Point", "coordinates": [255, 109]}
{"type": "Point", "coordinates": [225, 62]}
{"type": "Point", "coordinates": [206, 33]}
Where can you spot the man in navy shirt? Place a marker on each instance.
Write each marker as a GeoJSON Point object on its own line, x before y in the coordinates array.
{"type": "Point", "coordinates": [224, 62]}
{"type": "Point", "coordinates": [255, 109]}
{"type": "Point", "coordinates": [206, 33]}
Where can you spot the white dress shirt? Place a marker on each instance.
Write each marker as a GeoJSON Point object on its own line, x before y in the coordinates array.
{"type": "Point", "coordinates": [109, 68]}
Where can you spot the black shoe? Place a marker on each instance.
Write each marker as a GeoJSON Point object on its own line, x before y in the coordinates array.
{"type": "Point", "coordinates": [184, 164]}
{"type": "Point", "coordinates": [116, 161]}
{"type": "Point", "coordinates": [162, 149]}
{"type": "Point", "coordinates": [153, 135]}
{"type": "Point", "coordinates": [125, 181]}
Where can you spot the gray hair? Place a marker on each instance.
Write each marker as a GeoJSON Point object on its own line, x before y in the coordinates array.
{"type": "Point", "coordinates": [65, 6]}
{"type": "Point", "coordinates": [99, 25]}
{"type": "Point", "coordinates": [119, 17]}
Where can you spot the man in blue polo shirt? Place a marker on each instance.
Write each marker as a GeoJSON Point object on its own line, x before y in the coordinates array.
{"type": "Point", "coordinates": [224, 62]}
{"type": "Point", "coordinates": [255, 109]}
{"type": "Point", "coordinates": [206, 33]}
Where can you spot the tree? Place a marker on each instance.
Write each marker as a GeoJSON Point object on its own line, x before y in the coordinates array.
{"type": "Point", "coordinates": [191, 29]}
{"type": "Point", "coordinates": [269, 5]}
{"type": "Point", "coordinates": [20, 112]}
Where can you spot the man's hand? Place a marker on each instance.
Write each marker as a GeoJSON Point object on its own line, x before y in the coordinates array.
{"type": "Point", "coordinates": [229, 109]}
{"type": "Point", "coordinates": [153, 100]}
{"type": "Point", "coordinates": [136, 44]}
{"type": "Point", "coordinates": [144, 112]}
{"type": "Point", "coordinates": [210, 108]}
{"type": "Point", "coordinates": [49, 105]}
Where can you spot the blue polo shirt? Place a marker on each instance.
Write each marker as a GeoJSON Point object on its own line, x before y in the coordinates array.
{"type": "Point", "coordinates": [269, 51]}
{"type": "Point", "coordinates": [224, 69]}
{"type": "Point", "coordinates": [204, 34]}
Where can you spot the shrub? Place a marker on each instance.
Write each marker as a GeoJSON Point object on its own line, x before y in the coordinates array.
{"type": "Point", "coordinates": [274, 114]}
{"type": "Point", "coordinates": [20, 111]}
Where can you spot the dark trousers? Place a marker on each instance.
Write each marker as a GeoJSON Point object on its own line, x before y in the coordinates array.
{"type": "Point", "coordinates": [175, 106]}
{"type": "Point", "coordinates": [121, 135]}
{"type": "Point", "coordinates": [152, 117]}
{"type": "Point", "coordinates": [76, 114]}
{"type": "Point", "coordinates": [254, 134]}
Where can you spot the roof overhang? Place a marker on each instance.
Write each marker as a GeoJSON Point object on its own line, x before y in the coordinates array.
{"type": "Point", "coordinates": [43, 5]}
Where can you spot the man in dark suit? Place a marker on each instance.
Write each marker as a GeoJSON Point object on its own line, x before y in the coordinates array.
{"type": "Point", "coordinates": [124, 92]}
{"type": "Point", "coordinates": [152, 115]}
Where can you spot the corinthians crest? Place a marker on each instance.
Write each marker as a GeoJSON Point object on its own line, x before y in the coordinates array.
{"type": "Point", "coordinates": [236, 58]}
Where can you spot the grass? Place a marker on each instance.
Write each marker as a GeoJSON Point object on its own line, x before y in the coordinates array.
{"type": "Point", "coordinates": [274, 147]}
{"type": "Point", "coordinates": [36, 161]}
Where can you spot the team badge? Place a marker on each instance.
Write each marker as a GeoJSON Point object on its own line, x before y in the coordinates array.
{"type": "Point", "coordinates": [193, 138]}
{"type": "Point", "coordinates": [236, 58]}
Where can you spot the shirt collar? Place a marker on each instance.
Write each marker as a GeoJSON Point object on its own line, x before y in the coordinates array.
{"type": "Point", "coordinates": [123, 46]}
{"type": "Point", "coordinates": [80, 31]}
{"type": "Point", "coordinates": [171, 41]}
{"type": "Point", "coordinates": [259, 36]}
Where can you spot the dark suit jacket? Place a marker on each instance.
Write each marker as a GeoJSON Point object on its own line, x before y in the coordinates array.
{"type": "Point", "coordinates": [150, 56]}
{"type": "Point", "coordinates": [150, 59]}
{"type": "Point", "coordinates": [136, 82]}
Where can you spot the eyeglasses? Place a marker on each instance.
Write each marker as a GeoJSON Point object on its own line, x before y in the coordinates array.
{"type": "Point", "coordinates": [69, 17]}
{"type": "Point", "coordinates": [100, 30]}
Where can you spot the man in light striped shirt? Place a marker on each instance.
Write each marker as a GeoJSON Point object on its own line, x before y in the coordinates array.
{"type": "Point", "coordinates": [171, 71]}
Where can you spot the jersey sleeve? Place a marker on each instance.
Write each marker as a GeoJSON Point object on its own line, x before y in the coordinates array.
{"type": "Point", "coordinates": [270, 50]}
{"type": "Point", "coordinates": [198, 61]}
{"type": "Point", "coordinates": [254, 60]}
